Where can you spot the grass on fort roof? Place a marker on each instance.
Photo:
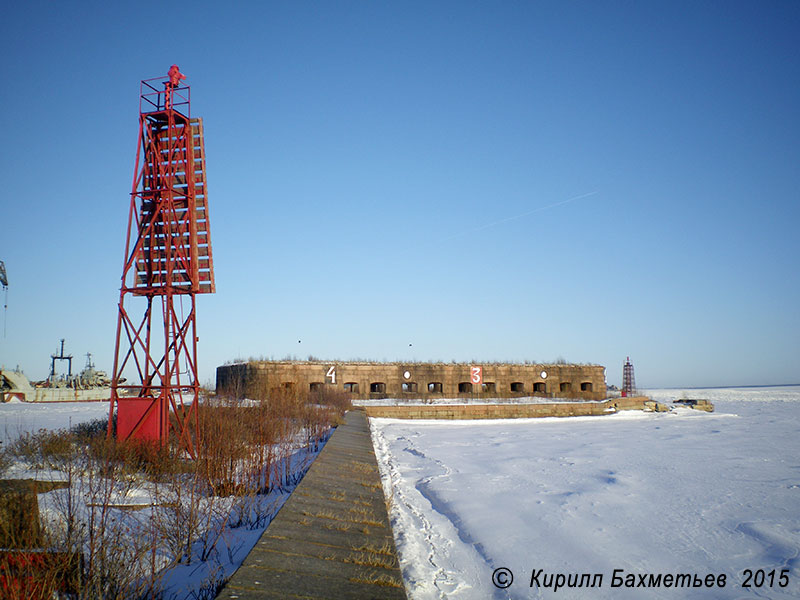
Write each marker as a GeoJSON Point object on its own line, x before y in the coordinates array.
{"type": "Point", "coordinates": [291, 358]}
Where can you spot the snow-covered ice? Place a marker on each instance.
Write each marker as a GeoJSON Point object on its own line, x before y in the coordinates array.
{"type": "Point", "coordinates": [648, 493]}
{"type": "Point", "coordinates": [26, 417]}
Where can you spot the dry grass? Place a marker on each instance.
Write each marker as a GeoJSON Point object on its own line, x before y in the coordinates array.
{"type": "Point", "coordinates": [325, 514]}
{"type": "Point", "coordinates": [364, 516]}
{"type": "Point", "coordinates": [371, 486]}
{"type": "Point", "coordinates": [371, 559]}
{"type": "Point", "coordinates": [382, 579]}
{"type": "Point", "coordinates": [5, 461]}
{"type": "Point", "coordinates": [244, 452]}
{"type": "Point", "coordinates": [362, 467]}
{"type": "Point", "coordinates": [356, 516]}
{"type": "Point", "coordinates": [385, 548]}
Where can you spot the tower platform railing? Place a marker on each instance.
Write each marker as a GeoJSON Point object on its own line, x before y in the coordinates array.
{"type": "Point", "coordinates": [154, 96]}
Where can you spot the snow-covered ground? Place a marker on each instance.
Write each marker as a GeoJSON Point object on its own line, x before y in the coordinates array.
{"type": "Point", "coordinates": [650, 494]}
{"type": "Point", "coordinates": [26, 417]}
{"type": "Point", "coordinates": [226, 528]}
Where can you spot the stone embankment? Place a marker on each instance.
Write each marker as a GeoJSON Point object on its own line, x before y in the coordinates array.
{"type": "Point", "coordinates": [515, 411]}
{"type": "Point", "coordinates": [332, 538]}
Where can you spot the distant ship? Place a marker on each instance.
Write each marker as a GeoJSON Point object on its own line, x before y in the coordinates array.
{"type": "Point", "coordinates": [89, 385]}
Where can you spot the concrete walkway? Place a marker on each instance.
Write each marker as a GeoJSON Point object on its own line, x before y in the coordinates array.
{"type": "Point", "coordinates": [332, 539]}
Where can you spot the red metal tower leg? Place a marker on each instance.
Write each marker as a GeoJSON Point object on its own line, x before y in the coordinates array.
{"type": "Point", "coordinates": [155, 388]}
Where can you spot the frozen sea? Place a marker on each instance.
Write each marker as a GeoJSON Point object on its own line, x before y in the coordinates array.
{"type": "Point", "coordinates": [646, 494]}
{"type": "Point", "coordinates": [18, 417]}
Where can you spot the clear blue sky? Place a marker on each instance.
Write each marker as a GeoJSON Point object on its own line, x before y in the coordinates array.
{"type": "Point", "coordinates": [482, 180]}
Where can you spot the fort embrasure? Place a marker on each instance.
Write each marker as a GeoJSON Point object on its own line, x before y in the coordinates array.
{"type": "Point", "coordinates": [376, 380]}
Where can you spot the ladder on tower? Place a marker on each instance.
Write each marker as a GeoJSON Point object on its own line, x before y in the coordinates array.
{"type": "Point", "coordinates": [174, 239]}
{"type": "Point", "coordinates": [205, 259]}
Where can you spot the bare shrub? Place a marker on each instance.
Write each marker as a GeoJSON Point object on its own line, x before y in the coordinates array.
{"type": "Point", "coordinates": [244, 452]}
{"type": "Point", "coordinates": [222, 442]}
{"type": "Point", "coordinates": [44, 449]}
{"type": "Point", "coordinates": [337, 400]}
{"type": "Point", "coordinates": [5, 460]}
{"type": "Point", "coordinates": [90, 429]}
{"type": "Point", "coordinates": [26, 574]}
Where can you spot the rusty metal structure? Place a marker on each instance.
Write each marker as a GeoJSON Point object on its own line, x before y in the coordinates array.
{"type": "Point", "coordinates": [628, 380]}
{"type": "Point", "coordinates": [168, 262]}
{"type": "Point", "coordinates": [60, 356]}
{"type": "Point", "coordinates": [4, 285]}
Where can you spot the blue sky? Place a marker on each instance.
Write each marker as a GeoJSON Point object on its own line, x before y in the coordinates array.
{"type": "Point", "coordinates": [466, 181]}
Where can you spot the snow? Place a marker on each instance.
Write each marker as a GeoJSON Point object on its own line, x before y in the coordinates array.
{"type": "Point", "coordinates": [648, 493]}
{"type": "Point", "coordinates": [227, 528]}
{"type": "Point", "coordinates": [20, 417]}
{"type": "Point", "coordinates": [460, 401]}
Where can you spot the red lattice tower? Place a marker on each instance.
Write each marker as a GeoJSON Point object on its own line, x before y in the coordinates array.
{"type": "Point", "coordinates": [168, 261]}
{"type": "Point", "coordinates": [628, 380]}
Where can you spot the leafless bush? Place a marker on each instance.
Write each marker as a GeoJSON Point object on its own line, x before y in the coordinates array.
{"type": "Point", "coordinates": [26, 574]}
{"type": "Point", "coordinates": [243, 453]}
{"type": "Point", "coordinates": [210, 588]}
{"type": "Point", "coordinates": [337, 400]}
{"type": "Point", "coordinates": [93, 548]}
{"type": "Point", "coordinates": [84, 519]}
{"type": "Point", "coordinates": [90, 429]}
{"type": "Point", "coordinates": [44, 449]}
{"type": "Point", "coordinates": [5, 460]}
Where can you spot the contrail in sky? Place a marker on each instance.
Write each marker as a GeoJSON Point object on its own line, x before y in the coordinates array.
{"type": "Point", "coordinates": [519, 216]}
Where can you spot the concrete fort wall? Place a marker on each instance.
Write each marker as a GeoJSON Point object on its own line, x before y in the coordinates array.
{"type": "Point", "coordinates": [365, 380]}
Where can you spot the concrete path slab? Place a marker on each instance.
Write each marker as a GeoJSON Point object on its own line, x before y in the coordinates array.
{"type": "Point", "coordinates": [332, 538]}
